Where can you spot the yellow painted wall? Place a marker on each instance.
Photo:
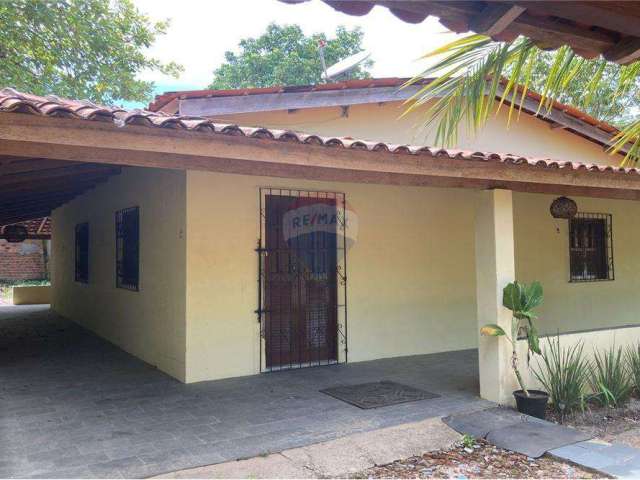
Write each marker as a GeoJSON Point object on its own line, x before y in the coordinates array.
{"type": "Point", "coordinates": [411, 287]}
{"type": "Point", "coordinates": [528, 137]}
{"type": "Point", "coordinates": [149, 323]}
{"type": "Point", "coordinates": [542, 253]}
{"type": "Point", "coordinates": [411, 272]}
{"type": "Point", "coordinates": [37, 295]}
{"type": "Point", "coordinates": [592, 341]}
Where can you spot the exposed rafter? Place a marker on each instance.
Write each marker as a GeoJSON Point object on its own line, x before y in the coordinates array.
{"type": "Point", "coordinates": [590, 28]}
{"type": "Point", "coordinates": [495, 18]}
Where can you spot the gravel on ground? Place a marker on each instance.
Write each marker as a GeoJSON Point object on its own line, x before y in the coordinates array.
{"type": "Point", "coordinates": [480, 461]}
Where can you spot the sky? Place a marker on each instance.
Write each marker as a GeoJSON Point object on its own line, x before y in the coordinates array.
{"type": "Point", "coordinates": [202, 30]}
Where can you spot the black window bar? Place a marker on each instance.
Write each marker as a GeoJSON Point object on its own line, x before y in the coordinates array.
{"type": "Point", "coordinates": [82, 253]}
{"type": "Point", "coordinates": [128, 248]}
{"type": "Point", "coordinates": [302, 285]}
{"type": "Point", "coordinates": [591, 247]}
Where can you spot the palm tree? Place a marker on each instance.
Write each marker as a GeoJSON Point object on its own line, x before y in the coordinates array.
{"type": "Point", "coordinates": [475, 70]}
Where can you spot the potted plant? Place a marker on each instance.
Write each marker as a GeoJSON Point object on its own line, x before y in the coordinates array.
{"type": "Point", "coordinates": [521, 299]}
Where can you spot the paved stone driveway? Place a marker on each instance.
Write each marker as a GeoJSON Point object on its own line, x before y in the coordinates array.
{"type": "Point", "coordinates": [73, 405]}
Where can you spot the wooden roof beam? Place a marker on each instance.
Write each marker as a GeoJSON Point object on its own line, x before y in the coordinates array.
{"type": "Point", "coordinates": [540, 29]}
{"type": "Point", "coordinates": [42, 224]}
{"type": "Point", "coordinates": [31, 164]}
{"type": "Point", "coordinates": [63, 172]}
{"type": "Point", "coordinates": [24, 216]}
{"type": "Point", "coordinates": [625, 52]}
{"type": "Point", "coordinates": [12, 197]}
{"type": "Point", "coordinates": [79, 181]}
{"type": "Point", "coordinates": [39, 205]}
{"type": "Point", "coordinates": [19, 201]}
{"type": "Point", "coordinates": [588, 13]}
{"type": "Point", "coordinates": [555, 32]}
{"type": "Point", "coordinates": [97, 142]}
{"type": "Point", "coordinates": [495, 18]}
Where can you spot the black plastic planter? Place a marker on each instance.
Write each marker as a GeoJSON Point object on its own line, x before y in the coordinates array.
{"type": "Point", "coordinates": [535, 404]}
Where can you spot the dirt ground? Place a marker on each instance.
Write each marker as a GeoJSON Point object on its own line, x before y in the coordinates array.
{"type": "Point", "coordinates": [611, 425]}
{"type": "Point", "coordinates": [481, 461]}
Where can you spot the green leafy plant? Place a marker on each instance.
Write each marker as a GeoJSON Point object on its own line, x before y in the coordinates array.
{"type": "Point", "coordinates": [468, 441]}
{"type": "Point", "coordinates": [564, 373]}
{"type": "Point", "coordinates": [610, 378]}
{"type": "Point", "coordinates": [472, 72]}
{"type": "Point", "coordinates": [521, 299]}
{"type": "Point", "coordinates": [633, 364]}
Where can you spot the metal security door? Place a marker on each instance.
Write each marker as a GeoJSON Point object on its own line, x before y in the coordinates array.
{"type": "Point", "coordinates": [299, 281]}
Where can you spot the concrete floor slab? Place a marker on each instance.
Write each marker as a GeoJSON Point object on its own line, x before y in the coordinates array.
{"type": "Point", "coordinates": [72, 404]}
{"type": "Point", "coordinates": [337, 458]}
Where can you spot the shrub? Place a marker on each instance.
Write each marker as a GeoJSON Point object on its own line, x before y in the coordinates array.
{"type": "Point", "coordinates": [564, 373]}
{"type": "Point", "coordinates": [633, 364]}
{"type": "Point", "coordinates": [610, 378]}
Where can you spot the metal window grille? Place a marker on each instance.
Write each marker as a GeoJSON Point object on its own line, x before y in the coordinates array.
{"type": "Point", "coordinates": [302, 283]}
{"type": "Point", "coordinates": [127, 248]}
{"type": "Point", "coordinates": [591, 247]}
{"type": "Point", "coordinates": [82, 253]}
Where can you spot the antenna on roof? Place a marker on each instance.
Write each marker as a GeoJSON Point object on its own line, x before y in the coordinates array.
{"type": "Point", "coordinates": [343, 66]}
{"type": "Point", "coordinates": [321, 45]}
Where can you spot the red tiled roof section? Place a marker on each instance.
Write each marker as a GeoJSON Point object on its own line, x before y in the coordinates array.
{"type": "Point", "coordinates": [51, 106]}
{"type": "Point", "coordinates": [164, 99]}
{"type": "Point", "coordinates": [36, 228]}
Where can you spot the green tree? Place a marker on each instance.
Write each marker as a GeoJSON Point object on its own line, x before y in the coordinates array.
{"type": "Point", "coordinates": [475, 70]}
{"type": "Point", "coordinates": [283, 55]}
{"type": "Point", "coordinates": [91, 49]}
{"type": "Point", "coordinates": [604, 104]}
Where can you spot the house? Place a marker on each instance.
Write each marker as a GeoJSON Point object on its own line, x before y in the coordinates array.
{"type": "Point", "coordinates": [26, 260]}
{"type": "Point", "coordinates": [212, 250]}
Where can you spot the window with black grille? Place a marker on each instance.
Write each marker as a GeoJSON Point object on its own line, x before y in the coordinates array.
{"type": "Point", "coordinates": [591, 247]}
{"type": "Point", "coordinates": [127, 248]}
{"type": "Point", "coordinates": [82, 253]}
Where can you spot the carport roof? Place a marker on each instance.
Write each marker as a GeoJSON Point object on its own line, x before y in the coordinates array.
{"type": "Point", "coordinates": [53, 106]}
{"type": "Point", "coordinates": [52, 149]}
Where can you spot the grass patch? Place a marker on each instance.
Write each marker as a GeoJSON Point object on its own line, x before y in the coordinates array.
{"type": "Point", "coordinates": [610, 380]}
{"type": "Point", "coordinates": [564, 373]}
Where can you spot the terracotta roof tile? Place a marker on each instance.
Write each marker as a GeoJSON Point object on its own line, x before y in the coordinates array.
{"type": "Point", "coordinates": [163, 99]}
{"type": "Point", "coordinates": [14, 101]}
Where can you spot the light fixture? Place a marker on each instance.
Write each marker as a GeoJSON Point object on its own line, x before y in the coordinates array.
{"type": "Point", "coordinates": [15, 233]}
{"type": "Point", "coordinates": [563, 207]}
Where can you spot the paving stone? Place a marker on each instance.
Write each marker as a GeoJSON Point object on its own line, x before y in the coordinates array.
{"type": "Point", "coordinates": [617, 460]}
{"type": "Point", "coordinates": [533, 439]}
{"type": "Point", "coordinates": [64, 389]}
{"type": "Point", "coordinates": [115, 468]}
{"type": "Point", "coordinates": [480, 422]}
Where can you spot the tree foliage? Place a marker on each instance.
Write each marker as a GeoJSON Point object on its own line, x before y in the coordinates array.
{"type": "Point", "coordinates": [475, 70]}
{"type": "Point", "coordinates": [604, 104]}
{"type": "Point", "coordinates": [284, 55]}
{"type": "Point", "coordinates": [91, 49]}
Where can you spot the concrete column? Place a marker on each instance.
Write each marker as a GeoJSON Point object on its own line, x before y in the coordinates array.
{"type": "Point", "coordinates": [495, 267]}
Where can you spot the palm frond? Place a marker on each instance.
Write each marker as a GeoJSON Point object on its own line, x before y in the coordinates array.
{"type": "Point", "coordinates": [475, 71]}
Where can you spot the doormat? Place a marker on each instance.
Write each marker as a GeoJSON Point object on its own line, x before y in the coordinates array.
{"type": "Point", "coordinates": [378, 394]}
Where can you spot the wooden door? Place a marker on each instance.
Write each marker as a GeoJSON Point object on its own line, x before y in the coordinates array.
{"type": "Point", "coordinates": [300, 288]}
